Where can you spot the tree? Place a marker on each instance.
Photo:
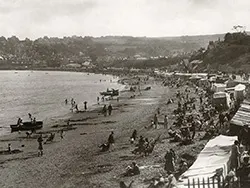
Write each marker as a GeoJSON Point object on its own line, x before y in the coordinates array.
{"type": "Point", "coordinates": [228, 37]}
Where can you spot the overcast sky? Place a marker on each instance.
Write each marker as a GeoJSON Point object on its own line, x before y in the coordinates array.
{"type": "Point", "coordinates": [38, 18]}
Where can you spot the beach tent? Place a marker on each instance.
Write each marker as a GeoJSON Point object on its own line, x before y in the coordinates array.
{"type": "Point", "coordinates": [214, 156]}
{"type": "Point", "coordinates": [240, 92]}
{"type": "Point", "coordinates": [221, 98]}
{"type": "Point", "coordinates": [217, 87]}
{"type": "Point", "coordinates": [241, 117]}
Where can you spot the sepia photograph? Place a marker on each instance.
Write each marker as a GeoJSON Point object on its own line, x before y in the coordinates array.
{"type": "Point", "coordinates": [124, 94]}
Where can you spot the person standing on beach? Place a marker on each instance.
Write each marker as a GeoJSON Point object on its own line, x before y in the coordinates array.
{"type": "Point", "coordinates": [166, 122]}
{"type": "Point", "coordinates": [62, 134]}
{"type": "Point", "coordinates": [235, 156]}
{"type": "Point", "coordinates": [104, 110]}
{"type": "Point", "coordinates": [76, 107]}
{"type": "Point", "coordinates": [110, 108]}
{"type": "Point", "coordinates": [9, 148]}
{"type": "Point", "coordinates": [66, 101]}
{"type": "Point", "coordinates": [85, 105]}
{"type": "Point", "coordinates": [98, 99]}
{"type": "Point", "coordinates": [156, 121]}
{"type": "Point", "coordinates": [158, 111]}
{"type": "Point", "coordinates": [40, 146]}
{"type": "Point", "coordinates": [30, 116]}
{"type": "Point", "coordinates": [111, 139]}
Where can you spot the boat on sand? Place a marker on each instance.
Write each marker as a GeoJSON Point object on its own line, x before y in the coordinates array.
{"type": "Point", "coordinates": [25, 126]}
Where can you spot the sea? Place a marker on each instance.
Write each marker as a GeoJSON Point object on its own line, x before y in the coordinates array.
{"type": "Point", "coordinates": [43, 94]}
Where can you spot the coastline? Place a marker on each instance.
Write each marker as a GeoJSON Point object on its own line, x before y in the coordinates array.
{"type": "Point", "coordinates": [52, 118]}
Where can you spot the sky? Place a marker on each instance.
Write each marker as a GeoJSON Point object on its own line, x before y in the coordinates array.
{"type": "Point", "coordinates": [151, 18]}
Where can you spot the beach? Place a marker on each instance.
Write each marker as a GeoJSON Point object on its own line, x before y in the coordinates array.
{"type": "Point", "coordinates": [76, 160]}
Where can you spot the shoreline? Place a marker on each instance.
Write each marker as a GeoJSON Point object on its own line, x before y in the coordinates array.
{"type": "Point", "coordinates": [5, 130]}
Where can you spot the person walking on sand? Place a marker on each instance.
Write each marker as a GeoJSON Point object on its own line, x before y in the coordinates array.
{"type": "Point", "coordinates": [66, 101]}
{"type": "Point", "coordinates": [40, 145]}
{"type": "Point", "coordinates": [62, 134]}
{"type": "Point", "coordinates": [166, 122]}
{"type": "Point", "coordinates": [98, 99]}
{"type": "Point", "coordinates": [110, 108]}
{"type": "Point", "coordinates": [156, 121]}
{"type": "Point", "coordinates": [85, 105]}
{"type": "Point", "coordinates": [104, 110]}
{"type": "Point", "coordinates": [111, 139]}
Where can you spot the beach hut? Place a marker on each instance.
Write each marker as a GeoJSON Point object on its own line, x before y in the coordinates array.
{"type": "Point", "coordinates": [240, 92]}
{"type": "Point", "coordinates": [242, 117]}
{"type": "Point", "coordinates": [217, 87]}
{"type": "Point", "coordinates": [221, 99]}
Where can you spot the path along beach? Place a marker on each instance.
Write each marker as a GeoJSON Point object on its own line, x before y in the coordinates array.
{"type": "Point", "coordinates": [76, 160]}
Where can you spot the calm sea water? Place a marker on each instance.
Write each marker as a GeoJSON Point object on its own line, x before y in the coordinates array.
{"type": "Point", "coordinates": [42, 93]}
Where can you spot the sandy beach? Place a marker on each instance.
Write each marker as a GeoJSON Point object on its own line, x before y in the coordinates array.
{"type": "Point", "coordinates": [76, 160]}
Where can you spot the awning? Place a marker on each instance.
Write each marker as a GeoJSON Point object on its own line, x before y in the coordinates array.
{"type": "Point", "coordinates": [242, 116]}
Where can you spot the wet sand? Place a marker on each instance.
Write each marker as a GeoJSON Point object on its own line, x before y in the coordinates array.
{"type": "Point", "coordinates": [76, 160]}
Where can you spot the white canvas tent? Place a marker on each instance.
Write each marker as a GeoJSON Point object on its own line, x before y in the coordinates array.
{"type": "Point", "coordinates": [240, 92]}
{"type": "Point", "coordinates": [214, 156]}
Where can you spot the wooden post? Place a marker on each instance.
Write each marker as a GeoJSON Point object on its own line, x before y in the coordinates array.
{"type": "Point", "coordinates": [203, 182]}
{"type": "Point", "coordinates": [198, 182]}
{"type": "Point", "coordinates": [193, 183]}
{"type": "Point", "coordinates": [188, 183]}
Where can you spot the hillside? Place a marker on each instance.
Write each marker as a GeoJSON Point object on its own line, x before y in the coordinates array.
{"type": "Point", "coordinates": [55, 52]}
{"type": "Point", "coordinates": [230, 54]}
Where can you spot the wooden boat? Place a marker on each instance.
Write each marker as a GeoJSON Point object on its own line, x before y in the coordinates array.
{"type": "Point", "coordinates": [27, 126]}
{"type": "Point", "coordinates": [111, 93]}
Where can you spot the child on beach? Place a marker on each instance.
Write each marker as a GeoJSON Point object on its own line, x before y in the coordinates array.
{"type": "Point", "coordinates": [85, 105]}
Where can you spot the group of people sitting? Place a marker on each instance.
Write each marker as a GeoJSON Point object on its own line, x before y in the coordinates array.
{"type": "Point", "coordinates": [144, 146]}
